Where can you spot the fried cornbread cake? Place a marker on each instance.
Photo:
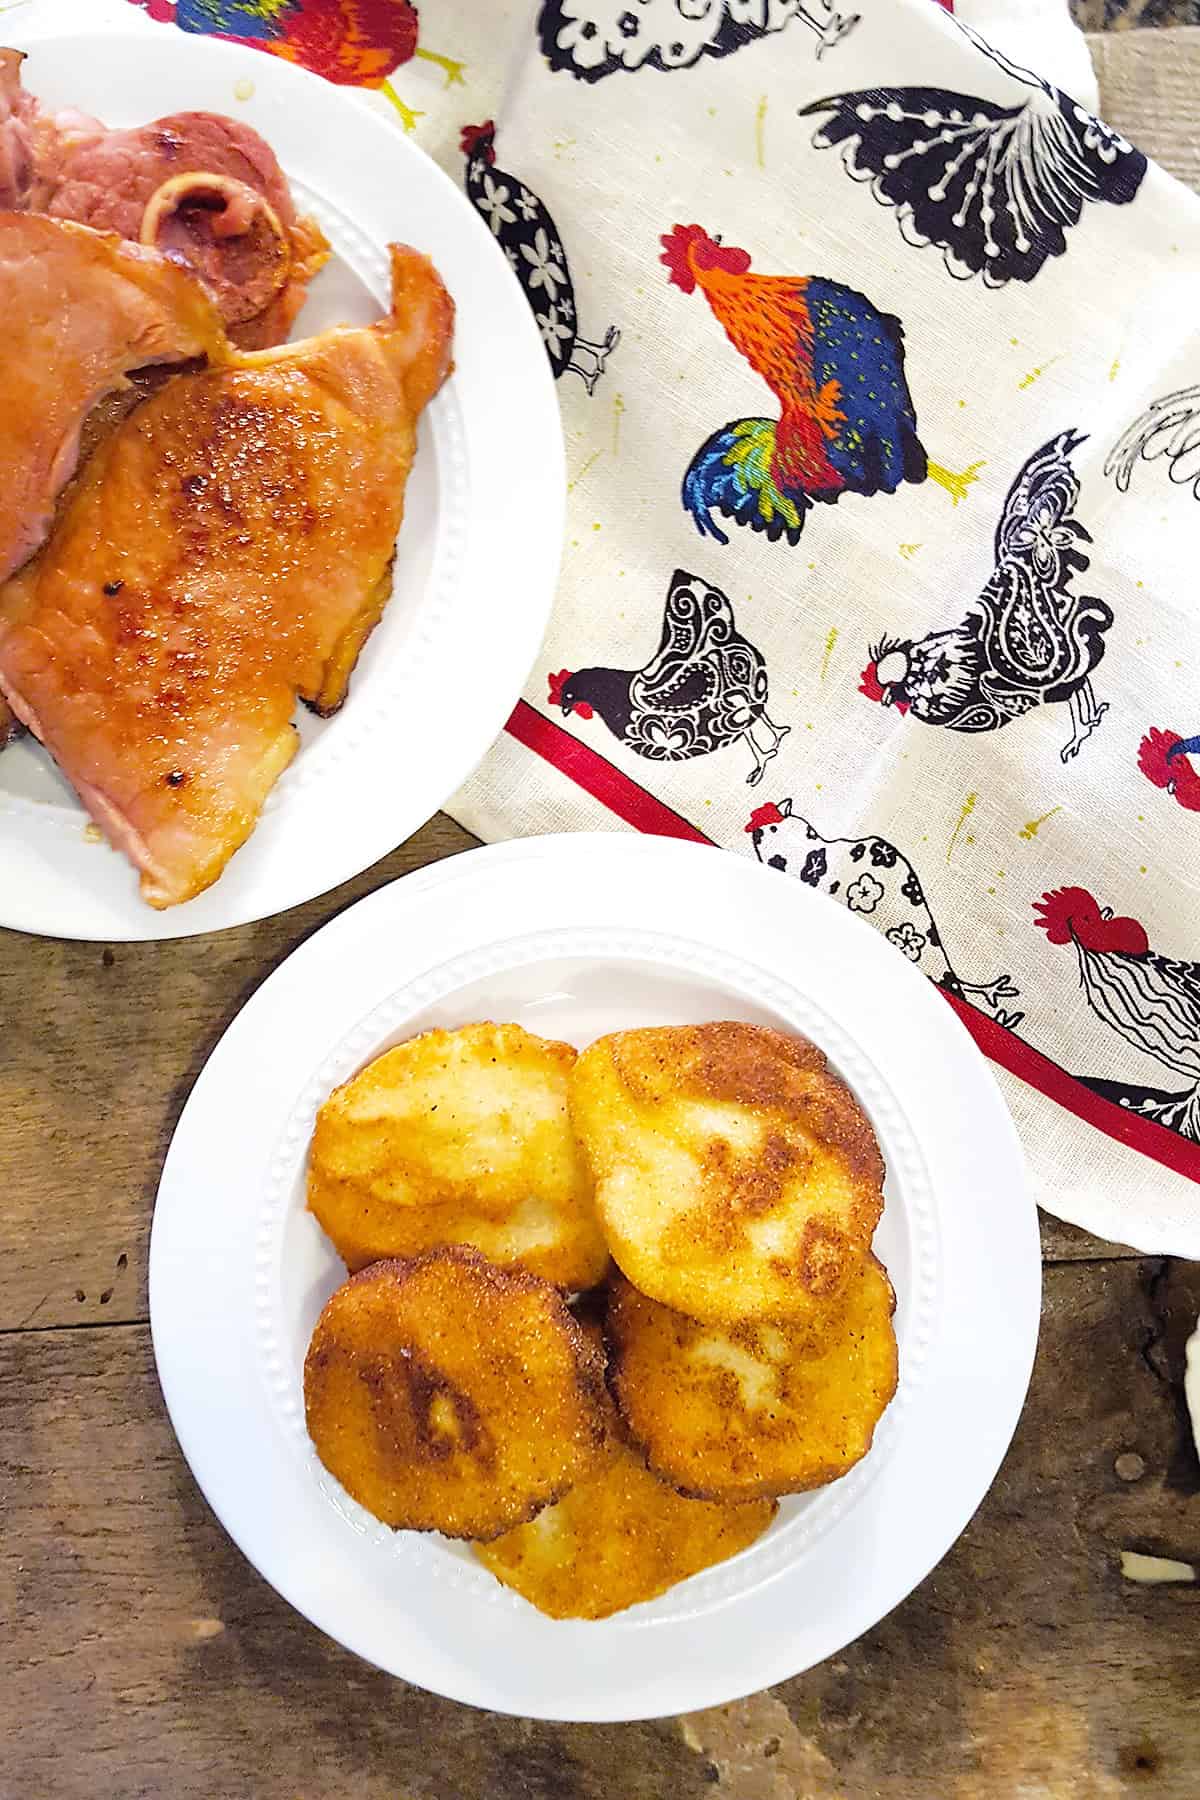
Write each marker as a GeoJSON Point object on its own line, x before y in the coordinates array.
{"type": "Point", "coordinates": [448, 1395]}
{"type": "Point", "coordinates": [756, 1408]}
{"type": "Point", "coordinates": [459, 1137]}
{"type": "Point", "coordinates": [736, 1175]}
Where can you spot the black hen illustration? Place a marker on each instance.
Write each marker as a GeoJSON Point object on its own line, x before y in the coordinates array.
{"type": "Point", "coordinates": [1169, 430]}
{"type": "Point", "coordinates": [1028, 640]}
{"type": "Point", "coordinates": [529, 238]}
{"type": "Point", "coordinates": [996, 188]}
{"type": "Point", "coordinates": [595, 38]}
{"type": "Point", "coordinates": [875, 879]}
{"type": "Point", "coordinates": [1152, 1001]}
{"type": "Point", "coordinates": [706, 686]}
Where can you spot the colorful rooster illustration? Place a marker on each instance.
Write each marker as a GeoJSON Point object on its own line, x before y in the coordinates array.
{"type": "Point", "coordinates": [835, 365]}
{"type": "Point", "coordinates": [705, 686]}
{"type": "Point", "coordinates": [1163, 759]}
{"type": "Point", "coordinates": [357, 43]}
{"type": "Point", "coordinates": [1028, 640]}
{"type": "Point", "coordinates": [1152, 1001]}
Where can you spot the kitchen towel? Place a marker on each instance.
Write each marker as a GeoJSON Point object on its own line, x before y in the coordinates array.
{"type": "Point", "coordinates": [882, 577]}
{"type": "Point", "coordinates": [882, 409]}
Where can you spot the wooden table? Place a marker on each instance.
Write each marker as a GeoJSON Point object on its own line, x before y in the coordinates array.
{"type": "Point", "coordinates": [141, 1656]}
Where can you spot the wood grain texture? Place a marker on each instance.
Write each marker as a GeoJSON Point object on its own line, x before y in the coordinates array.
{"type": "Point", "coordinates": [1150, 90]}
{"type": "Point", "coordinates": [1129, 15]}
{"type": "Point", "coordinates": [143, 1657]}
{"type": "Point", "coordinates": [99, 1048]}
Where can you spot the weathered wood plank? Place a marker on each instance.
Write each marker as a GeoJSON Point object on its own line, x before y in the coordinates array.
{"type": "Point", "coordinates": [1150, 90]}
{"type": "Point", "coordinates": [143, 1657]}
{"type": "Point", "coordinates": [1068, 1243]}
{"type": "Point", "coordinates": [99, 1048]}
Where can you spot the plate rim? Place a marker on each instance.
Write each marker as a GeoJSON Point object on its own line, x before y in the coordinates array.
{"type": "Point", "coordinates": [773, 1659]}
{"type": "Point", "coordinates": [37, 899]}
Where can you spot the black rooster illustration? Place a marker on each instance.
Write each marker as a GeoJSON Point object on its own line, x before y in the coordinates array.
{"type": "Point", "coordinates": [1152, 1001]}
{"type": "Point", "coordinates": [996, 188]}
{"type": "Point", "coordinates": [595, 38]}
{"type": "Point", "coordinates": [706, 686]}
{"type": "Point", "coordinates": [529, 238]}
{"type": "Point", "coordinates": [1028, 640]}
{"type": "Point", "coordinates": [1169, 428]}
{"type": "Point", "coordinates": [874, 879]}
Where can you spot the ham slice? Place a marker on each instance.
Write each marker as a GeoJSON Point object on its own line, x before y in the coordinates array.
{"type": "Point", "coordinates": [17, 111]}
{"type": "Point", "coordinates": [204, 188]}
{"type": "Point", "coordinates": [80, 309]}
{"type": "Point", "coordinates": [227, 549]}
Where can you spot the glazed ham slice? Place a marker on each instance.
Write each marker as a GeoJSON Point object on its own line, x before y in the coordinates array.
{"type": "Point", "coordinates": [226, 549]}
{"type": "Point", "coordinates": [80, 309]}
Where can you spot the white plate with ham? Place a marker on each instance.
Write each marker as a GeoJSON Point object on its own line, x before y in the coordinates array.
{"type": "Point", "coordinates": [476, 557]}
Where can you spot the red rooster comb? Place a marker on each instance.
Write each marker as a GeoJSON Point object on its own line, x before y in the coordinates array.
{"type": "Point", "coordinates": [557, 684]}
{"type": "Point", "coordinates": [1061, 910]}
{"type": "Point", "coordinates": [1163, 759]}
{"type": "Point", "coordinates": [1153, 756]}
{"type": "Point", "coordinates": [479, 137]}
{"type": "Point", "coordinates": [687, 248]}
{"type": "Point", "coordinates": [870, 685]}
{"type": "Point", "coordinates": [1071, 912]}
{"type": "Point", "coordinates": [765, 815]}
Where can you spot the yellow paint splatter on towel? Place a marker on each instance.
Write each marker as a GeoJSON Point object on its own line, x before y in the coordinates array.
{"type": "Point", "coordinates": [243, 89]}
{"type": "Point", "coordinates": [1113, 368]}
{"type": "Point", "coordinates": [909, 550]}
{"type": "Point", "coordinates": [968, 807]}
{"type": "Point", "coordinates": [956, 482]}
{"type": "Point", "coordinates": [571, 485]}
{"type": "Point", "coordinates": [618, 409]}
{"type": "Point", "coordinates": [830, 641]}
{"type": "Point", "coordinates": [1031, 827]}
{"type": "Point", "coordinates": [760, 119]}
{"type": "Point", "coordinates": [1036, 374]}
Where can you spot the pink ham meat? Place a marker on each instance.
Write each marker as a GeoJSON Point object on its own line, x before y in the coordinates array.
{"type": "Point", "coordinates": [17, 110]}
{"type": "Point", "coordinates": [233, 220]}
{"type": "Point", "coordinates": [80, 310]}
{"type": "Point", "coordinates": [227, 548]}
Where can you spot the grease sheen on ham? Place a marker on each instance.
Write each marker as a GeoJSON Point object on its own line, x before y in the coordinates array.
{"type": "Point", "coordinates": [226, 549]}
{"type": "Point", "coordinates": [80, 309]}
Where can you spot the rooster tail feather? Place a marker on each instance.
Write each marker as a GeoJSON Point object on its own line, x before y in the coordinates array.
{"type": "Point", "coordinates": [731, 474]}
{"type": "Point", "coordinates": [916, 463]}
{"type": "Point", "coordinates": [1185, 747]}
{"type": "Point", "coordinates": [1049, 487]}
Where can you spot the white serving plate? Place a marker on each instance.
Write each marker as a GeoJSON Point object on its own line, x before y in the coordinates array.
{"type": "Point", "coordinates": [572, 937]}
{"type": "Point", "coordinates": [477, 557]}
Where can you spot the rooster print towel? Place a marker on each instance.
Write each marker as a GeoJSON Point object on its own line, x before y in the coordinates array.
{"type": "Point", "coordinates": [882, 527]}
{"type": "Point", "coordinates": [880, 384]}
